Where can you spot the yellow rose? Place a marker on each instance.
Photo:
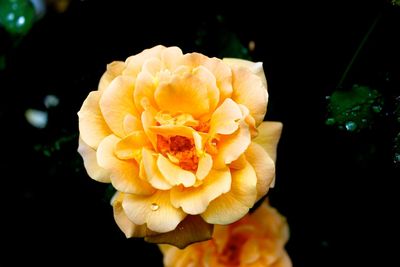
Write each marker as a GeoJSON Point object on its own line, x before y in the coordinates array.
{"type": "Point", "coordinates": [257, 240]}
{"type": "Point", "coordinates": [181, 138]}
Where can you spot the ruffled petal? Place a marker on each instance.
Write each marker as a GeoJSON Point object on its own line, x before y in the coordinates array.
{"type": "Point", "coordinates": [174, 174]}
{"type": "Point", "coordinates": [225, 118]}
{"type": "Point", "coordinates": [127, 227]}
{"type": "Point", "coordinates": [124, 173]}
{"type": "Point", "coordinates": [171, 57]}
{"type": "Point", "coordinates": [264, 167]}
{"type": "Point", "coordinates": [90, 161]}
{"type": "Point", "coordinates": [268, 137]}
{"type": "Point", "coordinates": [154, 210]}
{"type": "Point", "coordinates": [233, 205]}
{"type": "Point", "coordinates": [194, 200]}
{"type": "Point", "coordinates": [131, 146]}
{"type": "Point", "coordinates": [114, 69]}
{"type": "Point", "coordinates": [134, 63]}
{"type": "Point", "coordinates": [153, 174]}
{"type": "Point", "coordinates": [145, 87]}
{"type": "Point", "coordinates": [92, 126]}
{"type": "Point", "coordinates": [131, 124]}
{"type": "Point", "coordinates": [254, 67]}
{"type": "Point", "coordinates": [204, 166]}
{"type": "Point", "coordinates": [116, 102]}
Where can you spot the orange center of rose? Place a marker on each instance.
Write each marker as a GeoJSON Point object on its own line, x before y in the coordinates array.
{"type": "Point", "coordinates": [230, 255]}
{"type": "Point", "coordinates": [180, 150]}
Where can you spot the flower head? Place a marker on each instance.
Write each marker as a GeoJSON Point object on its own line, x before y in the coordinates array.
{"type": "Point", "coordinates": [258, 239]}
{"type": "Point", "coordinates": [181, 138]}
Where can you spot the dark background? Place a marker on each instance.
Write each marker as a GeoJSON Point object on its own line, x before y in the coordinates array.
{"type": "Point", "coordinates": [337, 189]}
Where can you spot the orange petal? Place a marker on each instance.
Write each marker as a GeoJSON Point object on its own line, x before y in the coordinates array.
{"type": "Point", "coordinates": [225, 118]}
{"type": "Point", "coordinates": [250, 252]}
{"type": "Point", "coordinates": [193, 93]}
{"type": "Point", "coordinates": [204, 166]}
{"type": "Point", "coordinates": [147, 122]}
{"type": "Point", "coordinates": [131, 146]}
{"type": "Point", "coordinates": [154, 210]}
{"type": "Point", "coordinates": [230, 147]}
{"type": "Point", "coordinates": [124, 173]}
{"type": "Point", "coordinates": [90, 161]}
{"type": "Point", "coordinates": [145, 87]}
{"type": "Point", "coordinates": [283, 261]}
{"type": "Point", "coordinates": [153, 174]}
{"type": "Point", "coordinates": [233, 205]}
{"type": "Point", "coordinates": [131, 124]}
{"type": "Point", "coordinates": [264, 167]}
{"type": "Point", "coordinates": [135, 63]}
{"type": "Point", "coordinates": [127, 227]}
{"type": "Point", "coordinates": [117, 102]}
{"type": "Point", "coordinates": [114, 69]}
{"type": "Point", "coordinates": [249, 90]}
{"type": "Point", "coordinates": [92, 126]}
{"type": "Point", "coordinates": [174, 174]}
{"type": "Point", "coordinates": [268, 136]}
{"type": "Point", "coordinates": [171, 57]}
{"type": "Point", "coordinates": [192, 229]}
{"type": "Point", "coordinates": [194, 200]}
{"type": "Point", "coordinates": [254, 67]}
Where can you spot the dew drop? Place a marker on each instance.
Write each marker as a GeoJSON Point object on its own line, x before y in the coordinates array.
{"type": "Point", "coordinates": [351, 126]}
{"type": "Point", "coordinates": [154, 207]}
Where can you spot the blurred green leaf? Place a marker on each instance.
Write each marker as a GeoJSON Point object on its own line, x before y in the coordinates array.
{"type": "Point", "coordinates": [17, 16]}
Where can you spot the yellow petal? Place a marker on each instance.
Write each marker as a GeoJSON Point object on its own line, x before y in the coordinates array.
{"type": "Point", "coordinates": [230, 147]}
{"type": "Point", "coordinates": [233, 205]}
{"type": "Point", "coordinates": [124, 173]}
{"type": "Point", "coordinates": [154, 210]}
{"type": "Point", "coordinates": [173, 130]}
{"type": "Point", "coordinates": [148, 121]}
{"type": "Point", "coordinates": [127, 227]}
{"type": "Point", "coordinates": [154, 176]}
{"type": "Point", "coordinates": [204, 166]}
{"type": "Point", "coordinates": [268, 137]}
{"type": "Point", "coordinates": [117, 102]}
{"type": "Point", "coordinates": [134, 63]}
{"type": "Point", "coordinates": [194, 93]}
{"type": "Point", "coordinates": [192, 229]}
{"type": "Point", "coordinates": [145, 87]}
{"type": "Point", "coordinates": [264, 167]}
{"type": "Point", "coordinates": [171, 57]}
{"type": "Point", "coordinates": [131, 146]}
{"type": "Point", "coordinates": [90, 161]}
{"type": "Point", "coordinates": [225, 118]}
{"type": "Point", "coordinates": [132, 123]}
{"type": "Point", "coordinates": [249, 90]}
{"type": "Point", "coordinates": [114, 69]}
{"type": "Point", "coordinates": [174, 174]}
{"type": "Point", "coordinates": [194, 200]}
{"type": "Point", "coordinates": [92, 126]}
{"type": "Point", "coordinates": [255, 67]}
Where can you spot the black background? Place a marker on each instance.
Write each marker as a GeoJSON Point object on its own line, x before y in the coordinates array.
{"type": "Point", "coordinates": [337, 189]}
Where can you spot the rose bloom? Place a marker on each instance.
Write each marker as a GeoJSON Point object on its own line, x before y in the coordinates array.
{"type": "Point", "coordinates": [258, 239]}
{"type": "Point", "coordinates": [181, 138]}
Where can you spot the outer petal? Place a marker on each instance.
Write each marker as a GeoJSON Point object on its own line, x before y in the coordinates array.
{"type": "Point", "coordinates": [145, 87]}
{"type": "Point", "coordinates": [92, 126]}
{"type": "Point", "coordinates": [255, 67]}
{"type": "Point", "coordinates": [284, 261]}
{"type": "Point", "coordinates": [194, 200]}
{"type": "Point", "coordinates": [171, 57]}
{"type": "Point", "coordinates": [117, 102]}
{"type": "Point", "coordinates": [155, 210]}
{"type": "Point", "coordinates": [90, 161]}
{"type": "Point", "coordinates": [264, 167]}
{"type": "Point", "coordinates": [124, 173]}
{"type": "Point", "coordinates": [127, 227]}
{"type": "Point", "coordinates": [191, 229]}
{"type": "Point", "coordinates": [134, 63]}
{"type": "Point", "coordinates": [233, 205]}
{"type": "Point", "coordinates": [114, 69]}
{"type": "Point", "coordinates": [268, 136]}
{"type": "Point", "coordinates": [249, 90]}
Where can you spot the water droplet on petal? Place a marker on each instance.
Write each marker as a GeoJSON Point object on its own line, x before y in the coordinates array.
{"type": "Point", "coordinates": [154, 206]}
{"type": "Point", "coordinates": [351, 126]}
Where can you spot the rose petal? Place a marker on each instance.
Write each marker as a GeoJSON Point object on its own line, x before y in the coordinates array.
{"type": "Point", "coordinates": [134, 63]}
{"type": "Point", "coordinates": [90, 161]}
{"type": "Point", "coordinates": [131, 146]}
{"type": "Point", "coordinates": [264, 167]}
{"type": "Point", "coordinates": [268, 136]}
{"type": "Point", "coordinates": [193, 93]}
{"type": "Point", "coordinates": [283, 261]}
{"type": "Point", "coordinates": [225, 118]}
{"type": "Point", "coordinates": [255, 67]}
{"type": "Point", "coordinates": [114, 69]}
{"type": "Point", "coordinates": [153, 174]}
{"type": "Point", "coordinates": [154, 210]}
{"type": "Point", "coordinates": [145, 87]}
{"type": "Point", "coordinates": [171, 57]}
{"type": "Point", "coordinates": [233, 205]}
{"type": "Point", "coordinates": [174, 174]}
{"type": "Point", "coordinates": [194, 200]}
{"type": "Point", "coordinates": [248, 89]}
{"type": "Point", "coordinates": [116, 102]}
{"type": "Point", "coordinates": [250, 252]}
{"type": "Point", "coordinates": [92, 126]}
{"type": "Point", "coordinates": [204, 166]}
{"type": "Point", "coordinates": [124, 173]}
{"type": "Point", "coordinates": [127, 227]}
{"type": "Point", "coordinates": [131, 124]}
{"type": "Point", "coordinates": [192, 229]}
